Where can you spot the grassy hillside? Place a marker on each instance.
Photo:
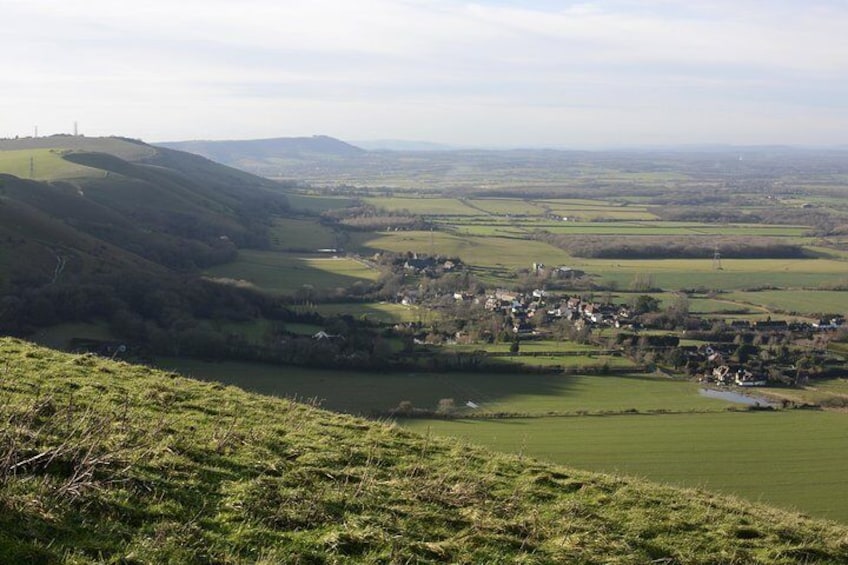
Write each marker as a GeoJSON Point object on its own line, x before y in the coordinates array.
{"type": "Point", "coordinates": [247, 154]}
{"type": "Point", "coordinates": [129, 199]}
{"type": "Point", "coordinates": [105, 462]}
{"type": "Point", "coordinates": [101, 213]}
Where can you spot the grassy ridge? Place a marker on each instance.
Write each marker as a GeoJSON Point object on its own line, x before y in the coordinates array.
{"type": "Point", "coordinates": [109, 462]}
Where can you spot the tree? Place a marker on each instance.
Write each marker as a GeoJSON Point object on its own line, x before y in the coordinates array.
{"type": "Point", "coordinates": [644, 303]}
{"type": "Point", "coordinates": [642, 282]}
{"type": "Point", "coordinates": [514, 347]}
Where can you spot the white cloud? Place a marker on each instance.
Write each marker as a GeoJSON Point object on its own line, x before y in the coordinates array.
{"type": "Point", "coordinates": [415, 68]}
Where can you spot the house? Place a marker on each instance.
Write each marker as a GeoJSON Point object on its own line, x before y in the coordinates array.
{"type": "Point", "coordinates": [722, 374]}
{"type": "Point", "coordinates": [747, 378]}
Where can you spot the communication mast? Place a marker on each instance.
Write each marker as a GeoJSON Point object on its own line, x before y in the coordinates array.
{"type": "Point", "coordinates": [36, 131]}
{"type": "Point", "coordinates": [716, 259]}
{"type": "Point", "coordinates": [75, 130]}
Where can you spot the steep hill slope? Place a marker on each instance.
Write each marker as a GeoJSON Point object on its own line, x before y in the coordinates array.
{"type": "Point", "coordinates": [75, 210]}
{"type": "Point", "coordinates": [101, 461]}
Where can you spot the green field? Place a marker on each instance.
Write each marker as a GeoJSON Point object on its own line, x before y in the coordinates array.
{"type": "Point", "coordinates": [285, 273]}
{"type": "Point", "coordinates": [317, 204]}
{"type": "Point", "coordinates": [363, 393]}
{"type": "Point", "coordinates": [793, 459]}
{"type": "Point", "coordinates": [42, 164]}
{"type": "Point", "coordinates": [736, 274]}
{"type": "Point", "coordinates": [807, 302]}
{"type": "Point", "coordinates": [299, 234]}
{"type": "Point", "coordinates": [529, 346]}
{"type": "Point", "coordinates": [387, 312]}
{"type": "Point", "coordinates": [507, 206]}
{"type": "Point", "coordinates": [41, 158]}
{"type": "Point", "coordinates": [423, 206]}
{"type": "Point", "coordinates": [496, 257]}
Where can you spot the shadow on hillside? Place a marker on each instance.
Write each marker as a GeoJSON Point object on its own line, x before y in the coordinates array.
{"type": "Point", "coordinates": [370, 393]}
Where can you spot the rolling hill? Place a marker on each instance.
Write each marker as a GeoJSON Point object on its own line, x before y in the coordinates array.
{"type": "Point", "coordinates": [76, 211]}
{"type": "Point", "coordinates": [242, 152]}
{"type": "Point", "coordinates": [108, 462]}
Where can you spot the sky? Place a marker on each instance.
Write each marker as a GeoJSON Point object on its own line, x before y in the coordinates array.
{"type": "Point", "coordinates": [487, 73]}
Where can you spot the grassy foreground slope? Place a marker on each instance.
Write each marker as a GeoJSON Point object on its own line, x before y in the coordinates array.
{"type": "Point", "coordinates": [106, 462]}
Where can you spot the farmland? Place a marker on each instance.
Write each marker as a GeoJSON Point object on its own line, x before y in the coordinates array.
{"type": "Point", "coordinates": [638, 424]}
{"type": "Point", "coordinates": [409, 288]}
{"type": "Point", "coordinates": [287, 273]}
{"type": "Point", "coordinates": [794, 459]}
{"type": "Point", "coordinates": [513, 393]}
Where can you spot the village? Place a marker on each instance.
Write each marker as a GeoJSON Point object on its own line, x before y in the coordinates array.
{"type": "Point", "coordinates": [724, 352]}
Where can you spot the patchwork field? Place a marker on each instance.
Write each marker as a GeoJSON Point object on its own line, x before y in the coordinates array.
{"type": "Point", "coordinates": [494, 259]}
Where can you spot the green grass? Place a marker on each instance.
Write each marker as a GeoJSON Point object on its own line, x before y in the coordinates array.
{"type": "Point", "coordinates": [423, 206]}
{"type": "Point", "coordinates": [286, 273]}
{"type": "Point", "coordinates": [791, 459]}
{"type": "Point", "coordinates": [387, 312]}
{"type": "Point", "coordinates": [42, 164]}
{"type": "Point", "coordinates": [516, 393]}
{"type": "Point", "coordinates": [529, 346]}
{"type": "Point", "coordinates": [45, 154]}
{"type": "Point", "coordinates": [496, 257]}
{"type": "Point", "coordinates": [507, 206]}
{"type": "Point", "coordinates": [299, 234]}
{"type": "Point", "coordinates": [317, 204]}
{"type": "Point", "coordinates": [798, 301]}
{"type": "Point", "coordinates": [115, 463]}
{"type": "Point", "coordinates": [736, 274]}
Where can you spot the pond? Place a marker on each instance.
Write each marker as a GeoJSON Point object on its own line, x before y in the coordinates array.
{"type": "Point", "coordinates": [736, 397]}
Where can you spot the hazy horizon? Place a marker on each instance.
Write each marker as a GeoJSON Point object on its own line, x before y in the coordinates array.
{"type": "Point", "coordinates": [494, 74]}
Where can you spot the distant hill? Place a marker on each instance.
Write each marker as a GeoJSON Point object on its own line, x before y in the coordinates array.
{"type": "Point", "coordinates": [76, 211]}
{"type": "Point", "coordinates": [402, 145]}
{"type": "Point", "coordinates": [235, 152]}
{"type": "Point", "coordinates": [110, 462]}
